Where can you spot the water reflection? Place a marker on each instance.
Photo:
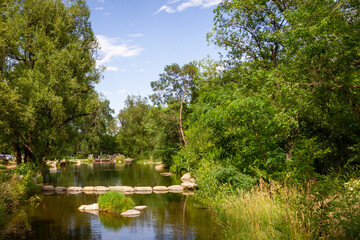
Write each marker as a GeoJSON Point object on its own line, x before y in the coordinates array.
{"type": "Point", "coordinates": [168, 216]}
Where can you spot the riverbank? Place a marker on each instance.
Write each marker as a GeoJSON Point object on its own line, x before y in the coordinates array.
{"type": "Point", "coordinates": [326, 209]}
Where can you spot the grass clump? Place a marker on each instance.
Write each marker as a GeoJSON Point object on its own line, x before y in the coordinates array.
{"type": "Point", "coordinates": [115, 202]}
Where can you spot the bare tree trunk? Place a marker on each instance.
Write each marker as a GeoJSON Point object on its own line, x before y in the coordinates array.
{"type": "Point", "coordinates": [180, 123]}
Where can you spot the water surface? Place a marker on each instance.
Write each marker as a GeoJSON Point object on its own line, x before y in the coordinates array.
{"type": "Point", "coordinates": [168, 216]}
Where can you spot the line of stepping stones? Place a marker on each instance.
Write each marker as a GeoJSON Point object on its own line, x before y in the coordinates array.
{"type": "Point", "coordinates": [123, 189]}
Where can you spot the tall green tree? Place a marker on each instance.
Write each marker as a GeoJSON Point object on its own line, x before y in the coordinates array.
{"type": "Point", "coordinates": [134, 137]}
{"type": "Point", "coordinates": [176, 85]}
{"type": "Point", "coordinates": [48, 73]}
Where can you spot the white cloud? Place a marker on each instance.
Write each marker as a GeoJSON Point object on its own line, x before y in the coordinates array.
{"type": "Point", "coordinates": [187, 4]}
{"type": "Point", "coordinates": [102, 1]}
{"type": "Point", "coordinates": [140, 70]}
{"type": "Point", "coordinates": [109, 49]}
{"type": "Point", "coordinates": [107, 13]}
{"type": "Point", "coordinates": [99, 8]}
{"type": "Point", "coordinates": [165, 9]}
{"type": "Point", "coordinates": [111, 68]}
{"type": "Point", "coordinates": [121, 91]}
{"type": "Point", "coordinates": [134, 35]}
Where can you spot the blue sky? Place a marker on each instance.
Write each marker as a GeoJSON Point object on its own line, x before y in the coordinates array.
{"type": "Point", "coordinates": [139, 37]}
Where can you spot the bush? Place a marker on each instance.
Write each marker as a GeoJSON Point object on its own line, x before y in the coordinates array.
{"type": "Point", "coordinates": [231, 176]}
{"type": "Point", "coordinates": [115, 202]}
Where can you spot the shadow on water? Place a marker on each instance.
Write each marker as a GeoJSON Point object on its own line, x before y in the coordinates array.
{"type": "Point", "coordinates": [168, 216]}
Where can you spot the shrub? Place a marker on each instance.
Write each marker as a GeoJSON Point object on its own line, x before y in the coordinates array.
{"type": "Point", "coordinates": [115, 202]}
{"type": "Point", "coordinates": [233, 177]}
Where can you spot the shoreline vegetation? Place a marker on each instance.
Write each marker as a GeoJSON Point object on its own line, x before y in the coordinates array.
{"type": "Point", "coordinates": [271, 132]}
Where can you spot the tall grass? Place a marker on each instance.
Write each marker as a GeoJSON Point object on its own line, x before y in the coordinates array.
{"type": "Point", "coordinates": [115, 202]}
{"type": "Point", "coordinates": [264, 212]}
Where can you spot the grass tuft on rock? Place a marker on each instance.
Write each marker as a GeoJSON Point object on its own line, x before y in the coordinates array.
{"type": "Point", "coordinates": [115, 202]}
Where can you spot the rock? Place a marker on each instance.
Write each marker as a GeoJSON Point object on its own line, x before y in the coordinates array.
{"type": "Point", "coordinates": [140, 207]}
{"type": "Point", "coordinates": [159, 167]}
{"type": "Point", "coordinates": [166, 174]}
{"type": "Point", "coordinates": [101, 189]}
{"type": "Point", "coordinates": [48, 188]}
{"type": "Point", "coordinates": [186, 177]}
{"type": "Point", "coordinates": [91, 207]}
{"type": "Point", "coordinates": [192, 180]}
{"type": "Point", "coordinates": [123, 189]}
{"type": "Point", "coordinates": [88, 189]}
{"type": "Point", "coordinates": [74, 189]}
{"type": "Point", "coordinates": [160, 192]}
{"type": "Point", "coordinates": [160, 188]}
{"type": "Point", "coordinates": [176, 189]}
{"type": "Point", "coordinates": [53, 170]}
{"type": "Point", "coordinates": [158, 162]}
{"type": "Point", "coordinates": [143, 189]}
{"type": "Point", "coordinates": [189, 185]}
{"type": "Point", "coordinates": [131, 213]}
{"type": "Point", "coordinates": [60, 189]}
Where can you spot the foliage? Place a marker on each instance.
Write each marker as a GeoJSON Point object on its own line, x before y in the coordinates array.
{"type": "Point", "coordinates": [134, 138]}
{"type": "Point", "coordinates": [115, 202]}
{"type": "Point", "coordinates": [47, 76]}
{"type": "Point", "coordinates": [176, 86]}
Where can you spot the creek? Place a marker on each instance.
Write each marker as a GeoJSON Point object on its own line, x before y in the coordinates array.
{"type": "Point", "coordinates": [168, 215]}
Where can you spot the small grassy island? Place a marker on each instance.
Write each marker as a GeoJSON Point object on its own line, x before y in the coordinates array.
{"type": "Point", "coordinates": [115, 202]}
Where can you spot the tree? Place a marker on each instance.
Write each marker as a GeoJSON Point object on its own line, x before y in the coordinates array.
{"type": "Point", "coordinates": [176, 84]}
{"type": "Point", "coordinates": [133, 137]}
{"type": "Point", "coordinates": [48, 72]}
{"type": "Point", "coordinates": [250, 30]}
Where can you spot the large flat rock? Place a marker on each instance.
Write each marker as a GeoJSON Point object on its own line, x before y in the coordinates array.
{"type": "Point", "coordinates": [140, 208]}
{"type": "Point", "coordinates": [88, 189]}
{"type": "Point", "coordinates": [143, 189]}
{"type": "Point", "coordinates": [123, 189]}
{"type": "Point", "coordinates": [74, 189]}
{"type": "Point", "coordinates": [101, 189]}
{"type": "Point", "coordinates": [91, 207]}
{"type": "Point", "coordinates": [48, 188]}
{"type": "Point", "coordinates": [60, 189]}
{"type": "Point", "coordinates": [176, 189]}
{"type": "Point", "coordinates": [160, 189]}
{"type": "Point", "coordinates": [131, 213]}
{"type": "Point", "coordinates": [188, 185]}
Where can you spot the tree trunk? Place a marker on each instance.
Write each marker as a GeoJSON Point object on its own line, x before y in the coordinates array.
{"type": "Point", "coordinates": [17, 153]}
{"type": "Point", "coordinates": [180, 123]}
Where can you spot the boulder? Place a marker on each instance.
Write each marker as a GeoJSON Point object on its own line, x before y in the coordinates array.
{"type": "Point", "coordinates": [74, 189]}
{"type": "Point", "coordinates": [139, 208]}
{"type": "Point", "coordinates": [143, 190]}
{"type": "Point", "coordinates": [101, 189]}
{"type": "Point", "coordinates": [188, 185]}
{"type": "Point", "coordinates": [131, 213]}
{"type": "Point", "coordinates": [186, 177]}
{"type": "Point", "coordinates": [176, 189]}
{"type": "Point", "coordinates": [60, 189]}
{"type": "Point", "coordinates": [91, 207]}
{"type": "Point", "coordinates": [160, 189]}
{"type": "Point", "coordinates": [48, 188]}
{"type": "Point", "coordinates": [123, 189]}
{"type": "Point", "coordinates": [88, 189]}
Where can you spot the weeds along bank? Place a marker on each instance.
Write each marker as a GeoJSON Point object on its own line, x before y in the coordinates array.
{"type": "Point", "coordinates": [17, 187]}
{"type": "Point", "coordinates": [328, 208]}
